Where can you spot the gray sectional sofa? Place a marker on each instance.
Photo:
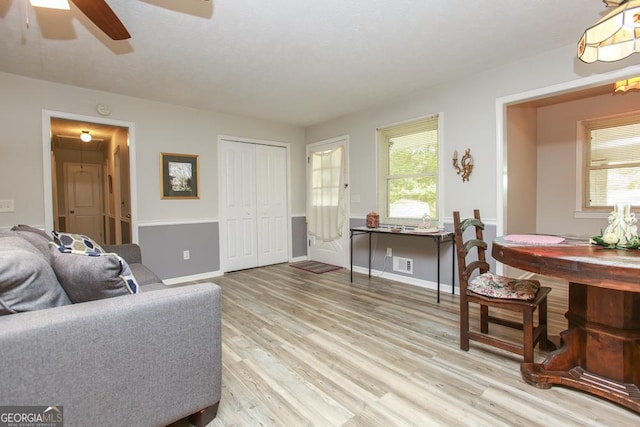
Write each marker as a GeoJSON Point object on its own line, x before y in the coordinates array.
{"type": "Point", "coordinates": [144, 359]}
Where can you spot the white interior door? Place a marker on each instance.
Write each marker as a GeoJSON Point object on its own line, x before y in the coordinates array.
{"type": "Point", "coordinates": [117, 196]}
{"type": "Point", "coordinates": [321, 166]}
{"type": "Point", "coordinates": [271, 185]}
{"type": "Point", "coordinates": [84, 199]}
{"type": "Point", "coordinates": [238, 201]}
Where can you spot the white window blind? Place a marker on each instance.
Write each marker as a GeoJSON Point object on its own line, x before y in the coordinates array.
{"type": "Point", "coordinates": [408, 171]}
{"type": "Point", "coordinates": [613, 162]}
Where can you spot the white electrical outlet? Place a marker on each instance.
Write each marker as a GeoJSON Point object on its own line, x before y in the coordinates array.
{"type": "Point", "coordinates": [186, 255]}
{"type": "Point", "coordinates": [389, 252]}
{"type": "Point", "coordinates": [7, 206]}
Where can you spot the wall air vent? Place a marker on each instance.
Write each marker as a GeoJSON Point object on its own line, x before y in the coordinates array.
{"type": "Point", "coordinates": [403, 265]}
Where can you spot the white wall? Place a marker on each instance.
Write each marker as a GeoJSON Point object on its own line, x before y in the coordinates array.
{"type": "Point", "coordinates": [158, 128]}
{"type": "Point", "coordinates": [469, 110]}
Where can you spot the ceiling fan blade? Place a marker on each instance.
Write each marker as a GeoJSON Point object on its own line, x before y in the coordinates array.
{"type": "Point", "coordinates": [99, 12]}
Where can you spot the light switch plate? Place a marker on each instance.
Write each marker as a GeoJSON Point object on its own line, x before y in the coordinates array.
{"type": "Point", "coordinates": [7, 206]}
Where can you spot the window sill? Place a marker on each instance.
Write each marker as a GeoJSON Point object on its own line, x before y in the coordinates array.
{"type": "Point", "coordinates": [407, 223]}
{"type": "Point", "coordinates": [590, 215]}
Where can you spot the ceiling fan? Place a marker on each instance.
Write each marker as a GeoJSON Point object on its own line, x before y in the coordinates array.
{"type": "Point", "coordinates": [98, 12]}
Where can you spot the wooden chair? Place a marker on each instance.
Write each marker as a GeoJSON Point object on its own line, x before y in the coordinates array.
{"type": "Point", "coordinates": [490, 290]}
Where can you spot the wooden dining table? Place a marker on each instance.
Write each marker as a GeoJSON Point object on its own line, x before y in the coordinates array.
{"type": "Point", "coordinates": [600, 350]}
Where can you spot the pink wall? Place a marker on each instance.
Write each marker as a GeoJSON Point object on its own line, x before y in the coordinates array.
{"type": "Point", "coordinates": [557, 149]}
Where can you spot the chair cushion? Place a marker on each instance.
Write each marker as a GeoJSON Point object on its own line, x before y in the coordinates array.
{"type": "Point", "coordinates": [495, 286]}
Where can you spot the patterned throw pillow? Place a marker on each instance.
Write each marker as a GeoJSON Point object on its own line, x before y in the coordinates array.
{"type": "Point", "coordinates": [77, 242]}
{"type": "Point", "coordinates": [88, 276]}
{"type": "Point", "coordinates": [495, 286]}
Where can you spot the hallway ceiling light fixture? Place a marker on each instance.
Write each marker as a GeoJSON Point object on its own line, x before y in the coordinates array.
{"type": "Point", "coordinates": [615, 36]}
{"type": "Point", "coordinates": [626, 85]}
{"type": "Point", "coordinates": [51, 4]}
{"type": "Point", "coordinates": [85, 136]}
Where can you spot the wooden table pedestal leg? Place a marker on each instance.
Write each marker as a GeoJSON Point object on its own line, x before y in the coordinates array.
{"type": "Point", "coordinates": [599, 353]}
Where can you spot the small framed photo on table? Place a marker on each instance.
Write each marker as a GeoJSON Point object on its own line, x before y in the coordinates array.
{"type": "Point", "coordinates": [179, 176]}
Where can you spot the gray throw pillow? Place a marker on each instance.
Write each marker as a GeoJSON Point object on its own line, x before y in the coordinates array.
{"type": "Point", "coordinates": [41, 233]}
{"type": "Point", "coordinates": [27, 281]}
{"type": "Point", "coordinates": [88, 276]}
{"type": "Point", "coordinates": [35, 236]}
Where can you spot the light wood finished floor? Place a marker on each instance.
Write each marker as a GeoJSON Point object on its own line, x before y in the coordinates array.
{"type": "Point", "coordinates": [301, 349]}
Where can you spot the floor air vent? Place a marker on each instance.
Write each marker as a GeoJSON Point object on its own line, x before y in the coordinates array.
{"type": "Point", "coordinates": [403, 265]}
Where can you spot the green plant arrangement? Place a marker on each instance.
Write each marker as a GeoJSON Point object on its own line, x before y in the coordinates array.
{"type": "Point", "coordinates": [611, 241]}
{"type": "Point", "coordinates": [622, 231]}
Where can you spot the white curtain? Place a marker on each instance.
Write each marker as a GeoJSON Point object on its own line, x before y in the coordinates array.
{"type": "Point", "coordinates": [326, 211]}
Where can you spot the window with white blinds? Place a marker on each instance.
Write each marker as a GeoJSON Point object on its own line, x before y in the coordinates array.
{"type": "Point", "coordinates": [612, 172]}
{"type": "Point", "coordinates": [408, 171]}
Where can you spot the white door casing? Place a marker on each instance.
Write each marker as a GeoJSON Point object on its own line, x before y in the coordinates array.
{"type": "Point", "coordinates": [83, 191]}
{"type": "Point", "coordinates": [117, 196]}
{"type": "Point", "coordinates": [50, 223]}
{"type": "Point", "coordinates": [54, 193]}
{"type": "Point", "coordinates": [335, 252]}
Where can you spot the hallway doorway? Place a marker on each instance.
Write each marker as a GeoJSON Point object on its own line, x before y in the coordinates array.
{"type": "Point", "coordinates": [90, 181]}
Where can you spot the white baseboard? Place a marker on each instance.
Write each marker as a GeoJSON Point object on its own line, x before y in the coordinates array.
{"type": "Point", "coordinates": [444, 287]}
{"type": "Point", "coordinates": [201, 276]}
{"type": "Point", "coordinates": [210, 274]}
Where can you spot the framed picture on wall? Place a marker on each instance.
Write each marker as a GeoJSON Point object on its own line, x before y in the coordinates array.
{"type": "Point", "coordinates": [179, 176]}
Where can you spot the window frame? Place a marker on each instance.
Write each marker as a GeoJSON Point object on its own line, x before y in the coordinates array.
{"type": "Point", "coordinates": [382, 173]}
{"type": "Point", "coordinates": [584, 159]}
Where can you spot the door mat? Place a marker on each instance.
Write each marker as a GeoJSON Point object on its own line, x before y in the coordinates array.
{"type": "Point", "coordinates": [315, 266]}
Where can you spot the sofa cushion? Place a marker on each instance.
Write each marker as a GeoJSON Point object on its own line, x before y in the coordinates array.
{"type": "Point", "coordinates": [38, 238]}
{"type": "Point", "coordinates": [77, 242]}
{"type": "Point", "coordinates": [27, 281]}
{"type": "Point", "coordinates": [88, 276]}
{"type": "Point", "coordinates": [21, 227]}
{"type": "Point", "coordinates": [143, 275]}
{"type": "Point", "coordinates": [157, 286]}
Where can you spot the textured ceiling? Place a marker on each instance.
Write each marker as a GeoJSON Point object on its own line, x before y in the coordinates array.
{"type": "Point", "coordinates": [294, 61]}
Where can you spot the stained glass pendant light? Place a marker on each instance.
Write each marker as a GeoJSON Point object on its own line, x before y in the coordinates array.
{"type": "Point", "coordinates": [615, 36]}
{"type": "Point", "coordinates": [627, 85]}
{"type": "Point", "coordinates": [51, 4]}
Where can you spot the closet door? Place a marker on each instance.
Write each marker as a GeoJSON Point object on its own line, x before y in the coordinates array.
{"type": "Point", "coordinates": [238, 202]}
{"type": "Point", "coordinates": [271, 184]}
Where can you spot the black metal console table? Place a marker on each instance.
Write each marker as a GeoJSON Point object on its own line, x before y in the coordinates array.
{"type": "Point", "coordinates": [438, 237]}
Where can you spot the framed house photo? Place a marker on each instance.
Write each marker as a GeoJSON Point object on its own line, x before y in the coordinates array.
{"type": "Point", "coordinates": [179, 176]}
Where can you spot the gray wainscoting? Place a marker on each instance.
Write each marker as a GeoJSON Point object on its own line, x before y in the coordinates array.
{"type": "Point", "coordinates": [298, 236]}
{"type": "Point", "coordinates": [163, 249]}
{"type": "Point", "coordinates": [421, 250]}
